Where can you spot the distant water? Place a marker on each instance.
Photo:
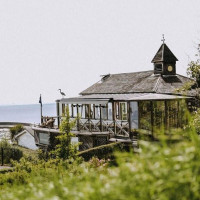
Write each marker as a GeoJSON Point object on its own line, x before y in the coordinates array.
{"type": "Point", "coordinates": [26, 113]}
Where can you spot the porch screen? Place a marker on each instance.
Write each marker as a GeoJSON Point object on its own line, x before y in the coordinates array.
{"type": "Point", "coordinates": [158, 115]}
{"type": "Point", "coordinates": [123, 110]}
{"type": "Point", "coordinates": [104, 112]}
{"type": "Point", "coordinates": [97, 112]}
{"type": "Point", "coordinates": [145, 115]}
{"type": "Point", "coordinates": [134, 115]}
{"type": "Point", "coordinates": [110, 111]}
{"type": "Point", "coordinates": [172, 114]}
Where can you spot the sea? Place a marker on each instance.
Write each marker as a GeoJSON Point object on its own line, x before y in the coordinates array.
{"type": "Point", "coordinates": [26, 113]}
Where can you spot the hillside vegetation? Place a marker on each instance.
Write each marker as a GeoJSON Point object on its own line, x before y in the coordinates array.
{"type": "Point", "coordinates": [161, 171]}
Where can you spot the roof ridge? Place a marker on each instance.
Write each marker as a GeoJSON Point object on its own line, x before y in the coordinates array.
{"type": "Point", "coordinates": [133, 72]}
{"type": "Point", "coordinates": [156, 85]}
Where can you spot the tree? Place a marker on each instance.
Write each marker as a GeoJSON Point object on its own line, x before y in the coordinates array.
{"type": "Point", "coordinates": [66, 149]}
{"type": "Point", "coordinates": [193, 70]}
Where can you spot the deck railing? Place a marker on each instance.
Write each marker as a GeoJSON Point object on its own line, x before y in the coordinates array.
{"type": "Point", "coordinates": [114, 127]}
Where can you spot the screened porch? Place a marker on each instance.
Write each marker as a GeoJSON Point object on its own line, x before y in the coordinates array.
{"type": "Point", "coordinates": [121, 114]}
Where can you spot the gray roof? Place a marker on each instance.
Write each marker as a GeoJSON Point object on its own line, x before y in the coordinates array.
{"type": "Point", "coordinates": [105, 98]}
{"type": "Point", "coordinates": [137, 82]}
{"type": "Point", "coordinates": [164, 54]}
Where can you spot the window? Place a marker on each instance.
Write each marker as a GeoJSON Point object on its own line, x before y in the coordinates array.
{"type": "Point", "coordinates": [110, 111]}
{"type": "Point", "coordinates": [158, 115]}
{"type": "Point", "coordinates": [97, 112]}
{"type": "Point", "coordinates": [74, 110]}
{"type": "Point", "coordinates": [145, 115]}
{"type": "Point", "coordinates": [134, 115]}
{"type": "Point", "coordinates": [158, 67]}
{"type": "Point", "coordinates": [62, 108]}
{"type": "Point", "coordinates": [44, 138]}
{"type": "Point", "coordinates": [117, 110]}
{"type": "Point", "coordinates": [92, 111]}
{"type": "Point", "coordinates": [123, 111]}
{"type": "Point", "coordinates": [82, 111]}
{"type": "Point", "coordinates": [104, 112]}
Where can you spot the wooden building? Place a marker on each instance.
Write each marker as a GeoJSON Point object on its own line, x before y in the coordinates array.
{"type": "Point", "coordinates": [119, 105]}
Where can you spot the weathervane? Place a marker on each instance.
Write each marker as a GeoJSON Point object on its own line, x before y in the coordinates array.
{"type": "Point", "coordinates": [163, 38]}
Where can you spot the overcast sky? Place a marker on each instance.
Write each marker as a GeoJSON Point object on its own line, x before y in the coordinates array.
{"type": "Point", "coordinates": [50, 44]}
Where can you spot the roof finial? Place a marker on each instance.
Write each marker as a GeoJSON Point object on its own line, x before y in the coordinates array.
{"type": "Point", "coordinates": [163, 38]}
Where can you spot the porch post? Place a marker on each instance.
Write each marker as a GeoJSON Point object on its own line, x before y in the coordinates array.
{"type": "Point", "coordinates": [139, 114]}
{"type": "Point", "coordinates": [101, 127]}
{"type": "Point", "coordinates": [89, 115]}
{"type": "Point", "coordinates": [129, 116]}
{"type": "Point", "coordinates": [58, 112]}
{"type": "Point", "coordinates": [77, 117]}
{"type": "Point", "coordinates": [114, 116]}
{"type": "Point", "coordinates": [152, 116]}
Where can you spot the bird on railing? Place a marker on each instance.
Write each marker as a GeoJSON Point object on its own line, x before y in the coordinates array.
{"type": "Point", "coordinates": [62, 93]}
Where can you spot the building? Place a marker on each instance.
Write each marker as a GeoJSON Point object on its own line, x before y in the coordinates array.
{"type": "Point", "coordinates": [26, 139]}
{"type": "Point", "coordinates": [119, 105]}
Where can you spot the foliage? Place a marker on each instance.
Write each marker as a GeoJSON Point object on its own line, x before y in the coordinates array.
{"type": "Point", "coordinates": [9, 152]}
{"type": "Point", "coordinates": [101, 152]}
{"type": "Point", "coordinates": [195, 122]}
{"type": "Point", "coordinates": [96, 162]}
{"type": "Point", "coordinates": [53, 141]}
{"type": "Point", "coordinates": [65, 149]}
{"type": "Point", "coordinates": [29, 153]}
{"type": "Point", "coordinates": [193, 71]}
{"type": "Point", "coordinates": [159, 172]}
{"type": "Point", "coordinates": [16, 129]}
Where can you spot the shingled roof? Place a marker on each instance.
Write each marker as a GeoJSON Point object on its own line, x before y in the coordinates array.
{"type": "Point", "coordinates": [164, 54]}
{"type": "Point", "coordinates": [137, 82]}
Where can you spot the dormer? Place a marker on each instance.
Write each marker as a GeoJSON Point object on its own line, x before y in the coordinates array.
{"type": "Point", "coordinates": [164, 61]}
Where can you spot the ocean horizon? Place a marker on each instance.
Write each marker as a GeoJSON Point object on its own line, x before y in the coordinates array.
{"type": "Point", "coordinates": [28, 113]}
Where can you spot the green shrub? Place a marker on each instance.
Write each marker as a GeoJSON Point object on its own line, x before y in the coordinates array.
{"type": "Point", "coordinates": [16, 129]}
{"type": "Point", "coordinates": [195, 122]}
{"type": "Point", "coordinates": [161, 171]}
{"type": "Point", "coordinates": [64, 148]}
{"type": "Point", "coordinates": [101, 152]}
{"type": "Point", "coordinates": [9, 152]}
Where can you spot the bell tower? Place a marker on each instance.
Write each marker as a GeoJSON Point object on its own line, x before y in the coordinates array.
{"type": "Point", "coordinates": [164, 61]}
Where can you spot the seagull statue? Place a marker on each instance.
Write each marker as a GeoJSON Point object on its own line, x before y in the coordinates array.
{"type": "Point", "coordinates": [62, 93]}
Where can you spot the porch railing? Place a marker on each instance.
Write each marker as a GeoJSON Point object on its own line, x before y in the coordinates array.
{"type": "Point", "coordinates": [116, 127]}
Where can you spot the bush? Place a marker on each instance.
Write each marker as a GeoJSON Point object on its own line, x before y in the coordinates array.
{"type": "Point", "coordinates": [16, 129]}
{"type": "Point", "coordinates": [9, 153]}
{"type": "Point", "coordinates": [195, 122]}
{"type": "Point", "coordinates": [101, 152]}
{"type": "Point", "coordinates": [159, 172]}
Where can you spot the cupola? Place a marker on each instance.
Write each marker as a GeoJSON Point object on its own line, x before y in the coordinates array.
{"type": "Point", "coordinates": [164, 61]}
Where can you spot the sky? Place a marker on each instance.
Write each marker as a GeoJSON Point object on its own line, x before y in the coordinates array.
{"type": "Point", "coordinates": [50, 44]}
